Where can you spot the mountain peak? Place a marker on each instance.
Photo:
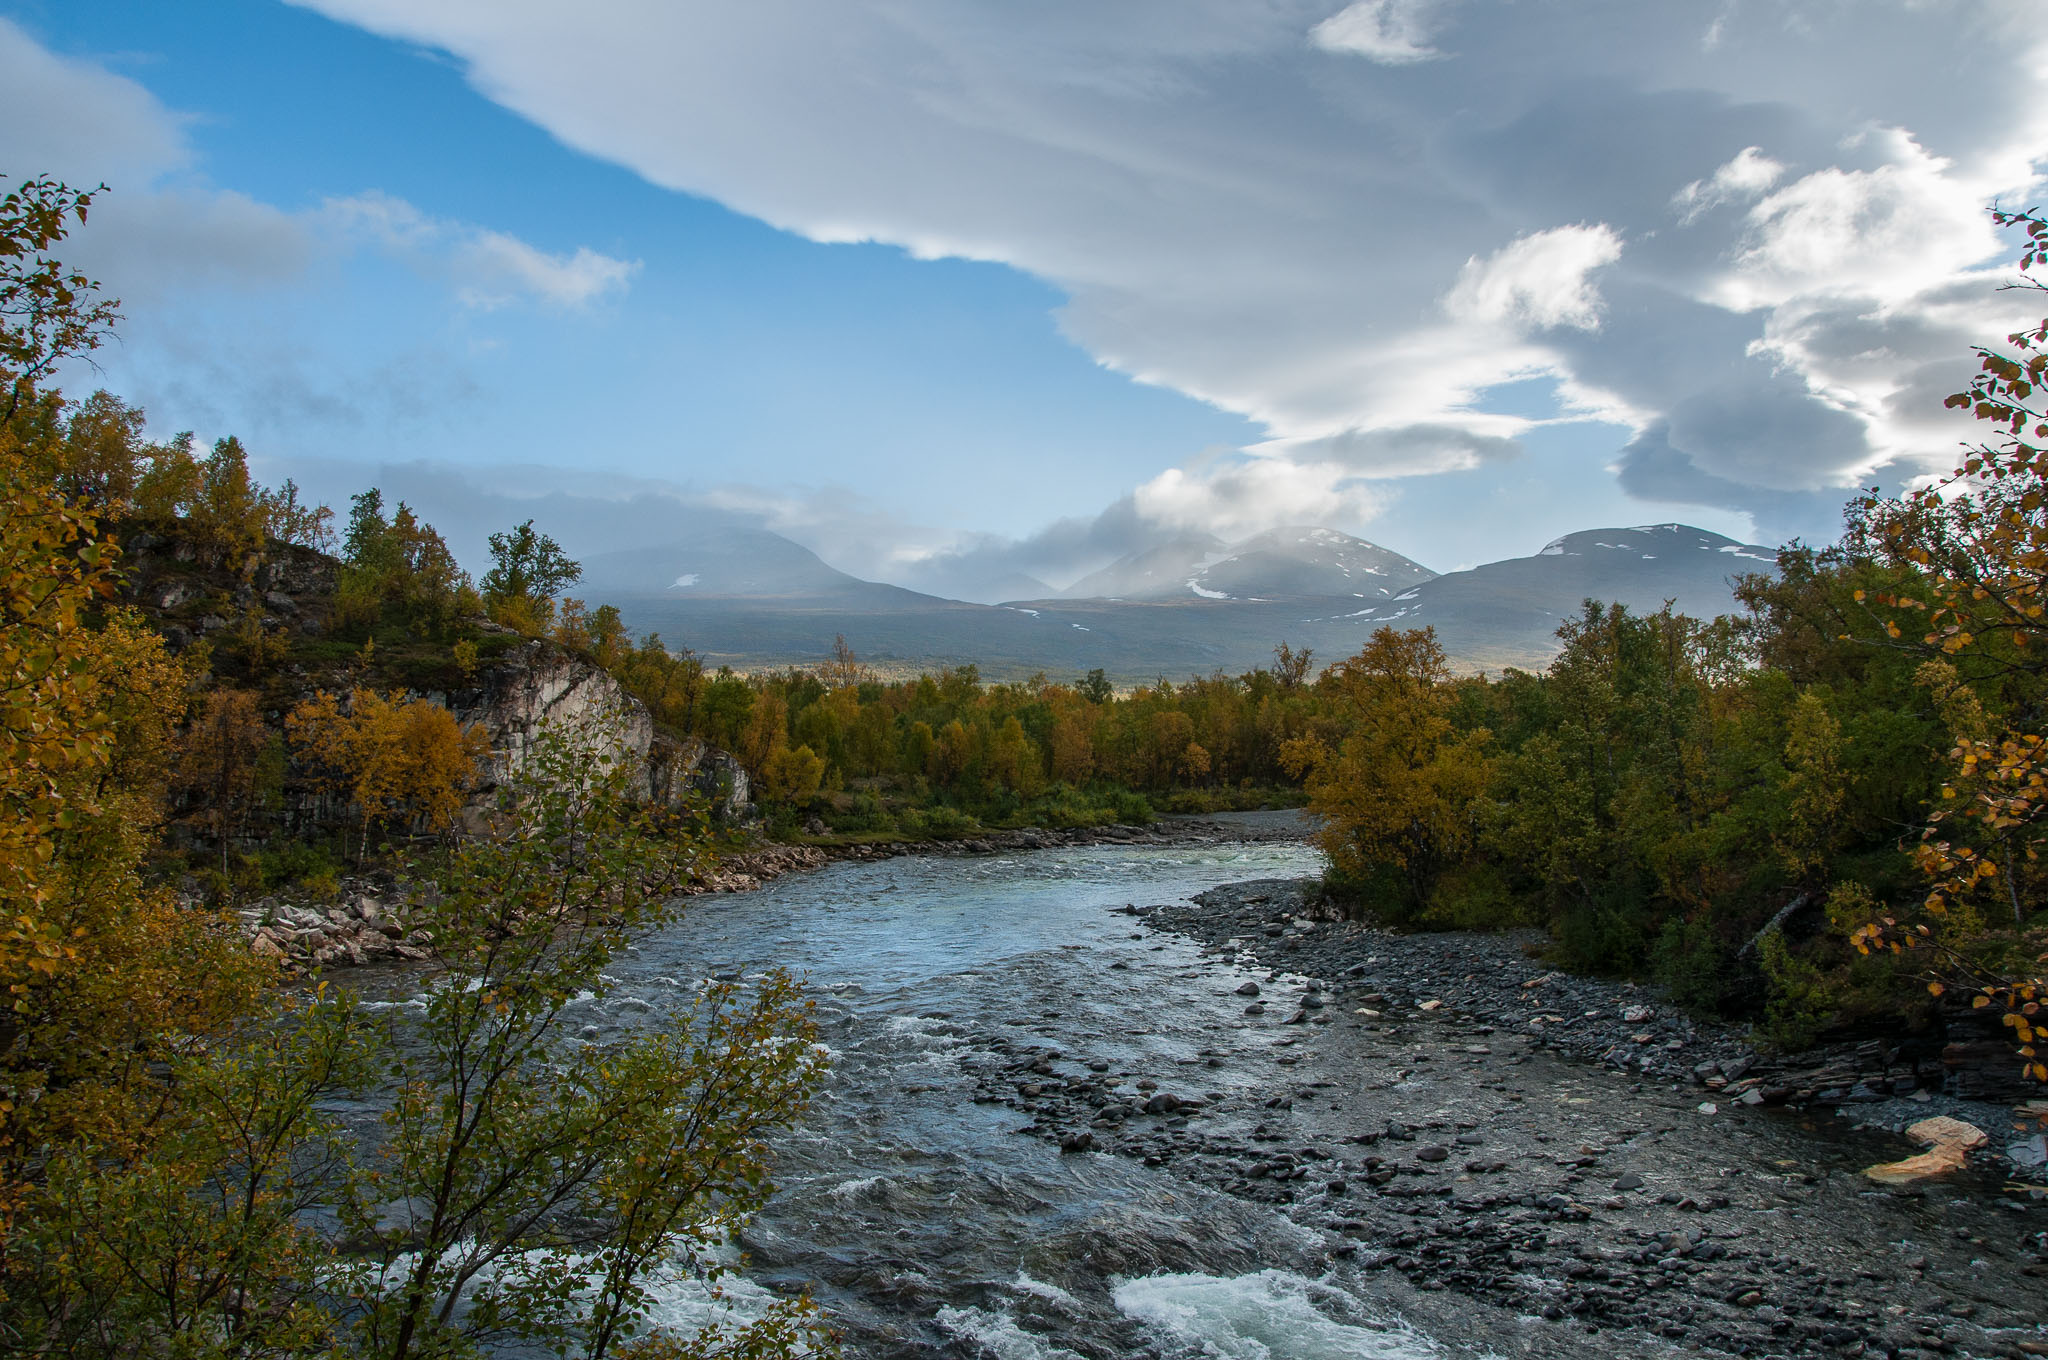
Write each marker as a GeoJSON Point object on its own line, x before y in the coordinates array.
{"type": "Point", "coordinates": [1649, 542]}
{"type": "Point", "coordinates": [1292, 562]}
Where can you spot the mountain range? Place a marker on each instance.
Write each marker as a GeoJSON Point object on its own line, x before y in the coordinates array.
{"type": "Point", "coordinates": [752, 598]}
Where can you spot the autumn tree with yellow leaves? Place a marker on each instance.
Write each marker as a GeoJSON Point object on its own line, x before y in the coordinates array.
{"type": "Point", "coordinates": [102, 971]}
{"type": "Point", "coordinates": [399, 762]}
{"type": "Point", "coordinates": [1397, 789]}
{"type": "Point", "coordinates": [1977, 543]}
{"type": "Point", "coordinates": [217, 762]}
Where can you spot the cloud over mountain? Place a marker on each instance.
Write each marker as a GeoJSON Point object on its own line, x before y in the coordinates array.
{"type": "Point", "coordinates": [1350, 222]}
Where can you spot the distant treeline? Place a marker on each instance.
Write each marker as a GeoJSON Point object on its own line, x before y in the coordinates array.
{"type": "Point", "coordinates": [943, 751]}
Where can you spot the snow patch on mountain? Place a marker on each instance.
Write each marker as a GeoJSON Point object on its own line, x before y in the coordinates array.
{"type": "Point", "coordinates": [1292, 563]}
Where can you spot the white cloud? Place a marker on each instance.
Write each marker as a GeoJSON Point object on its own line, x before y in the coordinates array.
{"type": "Point", "coordinates": [1888, 232]}
{"type": "Point", "coordinates": [1541, 280]}
{"type": "Point", "coordinates": [1391, 32]}
{"type": "Point", "coordinates": [1404, 450]}
{"type": "Point", "coordinates": [78, 121]}
{"type": "Point", "coordinates": [486, 268]}
{"type": "Point", "coordinates": [506, 266]}
{"type": "Point", "coordinates": [156, 227]}
{"type": "Point", "coordinates": [1746, 176]}
{"type": "Point", "coordinates": [1239, 498]}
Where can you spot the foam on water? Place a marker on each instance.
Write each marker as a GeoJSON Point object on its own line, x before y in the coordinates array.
{"type": "Point", "coordinates": [1051, 1293]}
{"type": "Point", "coordinates": [687, 1305]}
{"type": "Point", "coordinates": [1268, 1315]}
{"type": "Point", "coordinates": [858, 1189]}
{"type": "Point", "coordinates": [997, 1335]}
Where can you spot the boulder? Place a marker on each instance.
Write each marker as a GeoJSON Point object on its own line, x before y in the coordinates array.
{"type": "Point", "coordinates": [1952, 1142]}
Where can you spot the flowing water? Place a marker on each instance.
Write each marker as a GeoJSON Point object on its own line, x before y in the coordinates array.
{"type": "Point", "coordinates": [925, 1223]}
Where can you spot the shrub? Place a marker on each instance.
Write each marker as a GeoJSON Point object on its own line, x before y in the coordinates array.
{"type": "Point", "coordinates": [1475, 896]}
{"type": "Point", "coordinates": [950, 821]}
{"type": "Point", "coordinates": [1132, 809]}
{"type": "Point", "coordinates": [1800, 1006]}
{"type": "Point", "coordinates": [306, 863]}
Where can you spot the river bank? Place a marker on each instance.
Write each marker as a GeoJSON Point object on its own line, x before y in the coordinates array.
{"type": "Point", "coordinates": [1499, 1144]}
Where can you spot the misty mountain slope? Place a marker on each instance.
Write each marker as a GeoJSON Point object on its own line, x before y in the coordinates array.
{"type": "Point", "coordinates": [1298, 562]}
{"type": "Point", "coordinates": [1307, 563]}
{"type": "Point", "coordinates": [981, 587]}
{"type": "Point", "coordinates": [1505, 613]}
{"type": "Point", "coordinates": [1154, 573]}
{"type": "Point", "coordinates": [714, 560]}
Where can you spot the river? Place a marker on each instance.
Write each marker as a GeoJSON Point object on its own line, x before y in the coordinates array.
{"type": "Point", "coordinates": [1360, 1169]}
{"type": "Point", "coordinates": [919, 1218]}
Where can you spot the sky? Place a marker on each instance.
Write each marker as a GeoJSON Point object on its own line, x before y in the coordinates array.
{"type": "Point", "coordinates": [964, 294]}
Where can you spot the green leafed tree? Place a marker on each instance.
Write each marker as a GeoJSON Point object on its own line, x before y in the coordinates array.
{"type": "Point", "coordinates": [528, 570]}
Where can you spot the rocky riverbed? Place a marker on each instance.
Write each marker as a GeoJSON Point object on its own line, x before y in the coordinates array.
{"type": "Point", "coordinates": [1498, 1141]}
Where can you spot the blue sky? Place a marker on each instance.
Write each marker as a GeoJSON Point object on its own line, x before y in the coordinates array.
{"type": "Point", "coordinates": [951, 292]}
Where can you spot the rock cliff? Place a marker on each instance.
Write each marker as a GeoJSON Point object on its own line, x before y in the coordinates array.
{"type": "Point", "coordinates": [539, 684]}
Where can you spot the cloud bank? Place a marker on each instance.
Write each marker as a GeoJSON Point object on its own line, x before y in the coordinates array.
{"type": "Point", "coordinates": [1752, 237]}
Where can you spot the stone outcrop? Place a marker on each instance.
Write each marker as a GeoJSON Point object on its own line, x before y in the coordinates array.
{"type": "Point", "coordinates": [540, 686]}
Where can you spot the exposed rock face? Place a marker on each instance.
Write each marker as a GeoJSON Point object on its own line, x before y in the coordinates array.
{"type": "Point", "coordinates": [676, 768]}
{"type": "Point", "coordinates": [539, 685]}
